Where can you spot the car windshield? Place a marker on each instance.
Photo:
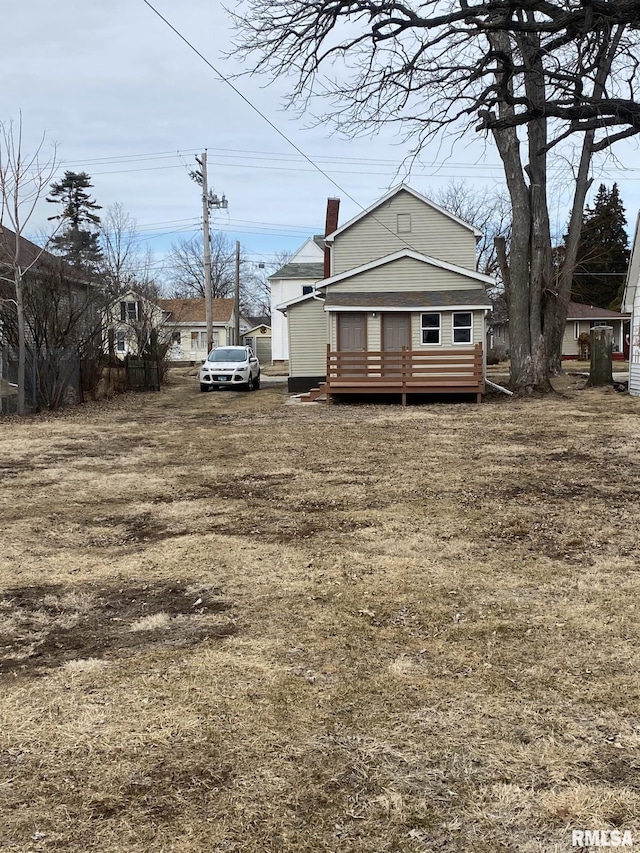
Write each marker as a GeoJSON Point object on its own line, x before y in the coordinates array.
{"type": "Point", "coordinates": [232, 354]}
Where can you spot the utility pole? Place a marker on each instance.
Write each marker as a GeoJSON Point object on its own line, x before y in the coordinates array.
{"type": "Point", "coordinates": [209, 200]}
{"type": "Point", "coordinates": [237, 293]}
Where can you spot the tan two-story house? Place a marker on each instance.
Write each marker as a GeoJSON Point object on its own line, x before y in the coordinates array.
{"type": "Point", "coordinates": [401, 289]}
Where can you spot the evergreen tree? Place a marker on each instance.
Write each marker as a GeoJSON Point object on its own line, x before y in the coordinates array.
{"type": "Point", "coordinates": [78, 242]}
{"type": "Point", "coordinates": [603, 254]}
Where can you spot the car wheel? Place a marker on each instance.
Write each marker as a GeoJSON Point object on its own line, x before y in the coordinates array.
{"type": "Point", "coordinates": [249, 385]}
{"type": "Point", "coordinates": [204, 387]}
{"type": "Point", "coordinates": [257, 382]}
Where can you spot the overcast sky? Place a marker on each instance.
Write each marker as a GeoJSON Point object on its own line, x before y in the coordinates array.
{"type": "Point", "coordinates": [128, 102]}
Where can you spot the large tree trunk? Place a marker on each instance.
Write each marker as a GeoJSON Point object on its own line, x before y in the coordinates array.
{"type": "Point", "coordinates": [530, 262]}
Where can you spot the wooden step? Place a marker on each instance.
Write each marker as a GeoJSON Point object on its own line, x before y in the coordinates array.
{"type": "Point", "coordinates": [314, 393]}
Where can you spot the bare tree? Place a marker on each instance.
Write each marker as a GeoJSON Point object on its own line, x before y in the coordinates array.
{"type": "Point", "coordinates": [543, 78]}
{"type": "Point", "coordinates": [63, 325]}
{"type": "Point", "coordinates": [185, 267]}
{"type": "Point", "coordinates": [124, 263]}
{"type": "Point", "coordinates": [487, 209]}
{"type": "Point", "coordinates": [24, 179]}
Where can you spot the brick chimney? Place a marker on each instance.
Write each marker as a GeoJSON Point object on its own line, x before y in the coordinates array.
{"type": "Point", "coordinates": [331, 224]}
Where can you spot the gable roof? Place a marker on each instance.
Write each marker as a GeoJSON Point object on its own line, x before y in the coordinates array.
{"type": "Point", "coordinates": [195, 311]}
{"type": "Point", "coordinates": [407, 253]}
{"type": "Point", "coordinates": [313, 272]}
{"type": "Point", "coordinates": [393, 192]}
{"type": "Point", "coordinates": [266, 326]}
{"type": "Point", "coordinates": [578, 311]}
{"type": "Point", "coordinates": [633, 273]}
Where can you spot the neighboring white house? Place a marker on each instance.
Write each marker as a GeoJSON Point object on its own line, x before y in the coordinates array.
{"type": "Point", "coordinates": [178, 322]}
{"type": "Point", "coordinates": [130, 320]}
{"type": "Point", "coordinates": [631, 303]}
{"type": "Point", "coordinates": [185, 319]}
{"type": "Point", "coordinates": [297, 277]}
{"type": "Point", "coordinates": [402, 276]}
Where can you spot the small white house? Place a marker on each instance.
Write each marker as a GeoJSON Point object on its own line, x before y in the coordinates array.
{"type": "Point", "coordinates": [296, 278]}
{"type": "Point", "coordinates": [185, 320]}
{"type": "Point", "coordinates": [130, 320]}
{"type": "Point", "coordinates": [631, 304]}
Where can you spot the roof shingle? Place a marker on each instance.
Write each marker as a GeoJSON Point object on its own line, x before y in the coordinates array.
{"type": "Point", "coordinates": [194, 310]}
{"type": "Point", "coordinates": [409, 299]}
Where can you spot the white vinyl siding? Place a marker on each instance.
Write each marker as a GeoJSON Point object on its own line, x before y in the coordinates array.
{"type": "Point", "coordinates": [432, 233]}
{"type": "Point", "coordinates": [308, 338]}
{"type": "Point", "coordinates": [405, 274]}
{"type": "Point", "coordinates": [282, 290]}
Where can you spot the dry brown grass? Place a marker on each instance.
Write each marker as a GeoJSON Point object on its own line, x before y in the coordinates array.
{"type": "Point", "coordinates": [227, 624]}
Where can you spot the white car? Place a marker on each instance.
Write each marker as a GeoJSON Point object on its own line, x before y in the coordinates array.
{"type": "Point", "coordinates": [230, 367]}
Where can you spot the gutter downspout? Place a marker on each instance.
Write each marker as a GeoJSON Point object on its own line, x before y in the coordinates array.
{"type": "Point", "coordinates": [498, 387]}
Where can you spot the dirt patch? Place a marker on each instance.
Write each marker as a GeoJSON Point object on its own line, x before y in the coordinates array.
{"type": "Point", "coordinates": [44, 627]}
{"type": "Point", "coordinates": [438, 647]}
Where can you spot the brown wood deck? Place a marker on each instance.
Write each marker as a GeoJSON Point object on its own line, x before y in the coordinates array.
{"type": "Point", "coordinates": [446, 371]}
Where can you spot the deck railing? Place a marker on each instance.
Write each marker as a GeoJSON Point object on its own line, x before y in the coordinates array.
{"type": "Point", "coordinates": [443, 371]}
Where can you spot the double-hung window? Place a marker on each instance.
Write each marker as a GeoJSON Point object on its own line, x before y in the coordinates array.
{"type": "Point", "coordinates": [430, 328]}
{"type": "Point", "coordinates": [120, 340]}
{"type": "Point", "coordinates": [462, 331]}
{"type": "Point", "coordinates": [129, 311]}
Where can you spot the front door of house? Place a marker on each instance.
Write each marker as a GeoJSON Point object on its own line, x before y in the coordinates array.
{"type": "Point", "coordinates": [352, 332]}
{"type": "Point", "coordinates": [352, 337]}
{"type": "Point", "coordinates": [396, 331]}
{"type": "Point", "coordinates": [396, 335]}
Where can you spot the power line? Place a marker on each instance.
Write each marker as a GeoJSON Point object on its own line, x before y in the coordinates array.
{"type": "Point", "coordinates": [248, 102]}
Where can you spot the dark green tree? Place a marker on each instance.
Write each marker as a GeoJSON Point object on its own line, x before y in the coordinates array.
{"type": "Point", "coordinates": [603, 252]}
{"type": "Point", "coordinates": [79, 240]}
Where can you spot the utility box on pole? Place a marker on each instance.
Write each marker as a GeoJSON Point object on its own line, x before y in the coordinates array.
{"type": "Point", "coordinates": [601, 372]}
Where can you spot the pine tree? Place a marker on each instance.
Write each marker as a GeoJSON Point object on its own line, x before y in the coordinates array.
{"type": "Point", "coordinates": [78, 243]}
{"type": "Point", "coordinates": [603, 255]}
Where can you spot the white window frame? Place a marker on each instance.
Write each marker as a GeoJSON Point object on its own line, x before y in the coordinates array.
{"type": "Point", "coordinates": [198, 340]}
{"type": "Point", "coordinates": [424, 328]}
{"type": "Point", "coordinates": [576, 329]}
{"type": "Point", "coordinates": [455, 328]}
{"type": "Point", "coordinates": [121, 340]}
